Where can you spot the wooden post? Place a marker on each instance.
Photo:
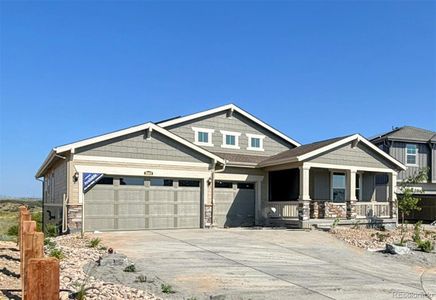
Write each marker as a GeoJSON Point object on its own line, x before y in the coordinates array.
{"type": "Point", "coordinates": [24, 216]}
{"type": "Point", "coordinates": [43, 279]}
{"type": "Point", "coordinates": [26, 227]}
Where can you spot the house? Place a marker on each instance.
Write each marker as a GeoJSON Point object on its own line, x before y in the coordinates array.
{"type": "Point", "coordinates": [416, 148]}
{"type": "Point", "coordinates": [221, 167]}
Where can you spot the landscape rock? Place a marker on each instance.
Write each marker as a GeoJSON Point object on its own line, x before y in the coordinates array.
{"type": "Point", "coordinates": [114, 260]}
{"type": "Point", "coordinates": [395, 249]}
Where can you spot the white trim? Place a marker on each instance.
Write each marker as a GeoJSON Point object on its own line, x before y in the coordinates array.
{"type": "Point", "coordinates": [256, 136]}
{"type": "Point", "coordinates": [231, 133]}
{"type": "Point", "coordinates": [209, 136]}
{"type": "Point", "coordinates": [337, 144]}
{"type": "Point", "coordinates": [234, 108]}
{"type": "Point", "coordinates": [331, 186]}
{"type": "Point", "coordinates": [238, 177]}
{"type": "Point", "coordinates": [416, 155]}
{"type": "Point", "coordinates": [346, 167]}
{"type": "Point", "coordinates": [80, 181]}
{"type": "Point", "coordinates": [138, 161]}
{"type": "Point", "coordinates": [70, 147]}
{"type": "Point", "coordinates": [151, 172]}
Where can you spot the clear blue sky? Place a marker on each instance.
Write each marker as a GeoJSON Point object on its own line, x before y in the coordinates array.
{"type": "Point", "coordinates": [71, 70]}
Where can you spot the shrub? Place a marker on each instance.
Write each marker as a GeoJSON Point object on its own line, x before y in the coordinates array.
{"type": "Point", "coordinates": [130, 268]}
{"type": "Point", "coordinates": [426, 246]}
{"type": "Point", "coordinates": [51, 230]}
{"type": "Point", "coordinates": [167, 289]}
{"type": "Point", "coordinates": [37, 217]}
{"type": "Point", "coordinates": [94, 243]}
{"type": "Point", "coordinates": [417, 232]}
{"type": "Point", "coordinates": [13, 230]}
{"type": "Point", "coordinates": [355, 225]}
{"type": "Point", "coordinates": [57, 253]}
{"type": "Point", "coordinates": [335, 223]}
{"type": "Point", "coordinates": [49, 243]}
{"type": "Point", "coordinates": [382, 236]}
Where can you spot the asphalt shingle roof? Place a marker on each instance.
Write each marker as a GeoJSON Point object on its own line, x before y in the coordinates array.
{"type": "Point", "coordinates": [409, 133]}
{"type": "Point", "coordinates": [241, 158]}
{"type": "Point", "coordinates": [288, 154]}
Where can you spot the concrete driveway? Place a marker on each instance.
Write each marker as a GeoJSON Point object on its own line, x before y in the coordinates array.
{"type": "Point", "coordinates": [268, 263]}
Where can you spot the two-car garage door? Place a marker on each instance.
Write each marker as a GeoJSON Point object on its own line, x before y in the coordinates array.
{"type": "Point", "coordinates": [133, 203]}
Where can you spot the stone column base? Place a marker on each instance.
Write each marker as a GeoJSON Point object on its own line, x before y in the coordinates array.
{"type": "Point", "coordinates": [303, 210]}
{"type": "Point", "coordinates": [74, 221]}
{"type": "Point", "coordinates": [351, 209]}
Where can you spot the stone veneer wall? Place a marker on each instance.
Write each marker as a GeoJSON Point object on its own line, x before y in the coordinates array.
{"type": "Point", "coordinates": [327, 210]}
{"type": "Point", "coordinates": [74, 218]}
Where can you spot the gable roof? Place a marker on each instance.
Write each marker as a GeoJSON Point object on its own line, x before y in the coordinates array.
{"type": "Point", "coordinates": [309, 150]}
{"type": "Point", "coordinates": [408, 133]}
{"type": "Point", "coordinates": [226, 107]}
{"type": "Point", "coordinates": [147, 126]}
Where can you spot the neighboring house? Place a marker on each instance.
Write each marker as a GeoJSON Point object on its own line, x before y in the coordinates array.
{"type": "Point", "coordinates": [222, 167]}
{"type": "Point", "coordinates": [416, 148]}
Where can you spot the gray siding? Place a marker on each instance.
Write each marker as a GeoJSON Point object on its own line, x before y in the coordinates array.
{"type": "Point", "coordinates": [368, 187]}
{"type": "Point", "coordinates": [134, 145]}
{"type": "Point", "coordinates": [237, 123]}
{"type": "Point", "coordinates": [398, 151]}
{"type": "Point", "coordinates": [319, 186]}
{"type": "Point", "coordinates": [55, 187]}
{"type": "Point", "coordinates": [433, 163]}
{"type": "Point", "coordinates": [360, 156]}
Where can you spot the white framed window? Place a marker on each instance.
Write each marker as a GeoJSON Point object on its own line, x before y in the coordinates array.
{"type": "Point", "coordinates": [255, 142]}
{"type": "Point", "coordinates": [411, 155]}
{"type": "Point", "coordinates": [338, 187]}
{"type": "Point", "coordinates": [203, 136]}
{"type": "Point", "coordinates": [230, 139]}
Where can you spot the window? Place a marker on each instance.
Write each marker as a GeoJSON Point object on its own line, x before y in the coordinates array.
{"type": "Point", "coordinates": [284, 185]}
{"type": "Point", "coordinates": [358, 186]}
{"type": "Point", "coordinates": [161, 182]}
{"type": "Point", "coordinates": [203, 136]}
{"type": "Point", "coordinates": [223, 184]}
{"type": "Point", "coordinates": [411, 153]}
{"type": "Point", "coordinates": [106, 180]}
{"type": "Point", "coordinates": [132, 181]}
{"type": "Point", "coordinates": [338, 187]}
{"type": "Point", "coordinates": [255, 142]}
{"type": "Point", "coordinates": [189, 183]}
{"type": "Point", "coordinates": [245, 186]}
{"type": "Point", "coordinates": [230, 139]}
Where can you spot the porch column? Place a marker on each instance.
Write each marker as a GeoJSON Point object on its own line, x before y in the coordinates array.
{"type": "Point", "coordinates": [392, 196]}
{"type": "Point", "coordinates": [304, 197]}
{"type": "Point", "coordinates": [351, 199]}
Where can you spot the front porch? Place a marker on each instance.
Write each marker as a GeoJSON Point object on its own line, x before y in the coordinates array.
{"type": "Point", "coordinates": [316, 195]}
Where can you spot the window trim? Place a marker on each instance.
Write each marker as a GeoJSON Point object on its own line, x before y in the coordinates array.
{"type": "Point", "coordinates": [206, 130]}
{"type": "Point", "coordinates": [332, 187]}
{"type": "Point", "coordinates": [233, 133]}
{"type": "Point", "coordinates": [415, 154]}
{"type": "Point", "coordinates": [258, 136]}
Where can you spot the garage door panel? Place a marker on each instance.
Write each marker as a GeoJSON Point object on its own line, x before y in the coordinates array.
{"type": "Point", "coordinates": [93, 223]}
{"type": "Point", "coordinates": [234, 207]}
{"type": "Point", "coordinates": [131, 195]}
{"type": "Point", "coordinates": [131, 223]}
{"type": "Point", "coordinates": [132, 207]}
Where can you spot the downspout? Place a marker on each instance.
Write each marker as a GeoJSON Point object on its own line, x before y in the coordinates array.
{"type": "Point", "coordinates": [43, 200]}
{"type": "Point", "coordinates": [212, 192]}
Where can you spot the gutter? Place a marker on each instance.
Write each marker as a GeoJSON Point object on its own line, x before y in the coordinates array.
{"type": "Point", "coordinates": [212, 192]}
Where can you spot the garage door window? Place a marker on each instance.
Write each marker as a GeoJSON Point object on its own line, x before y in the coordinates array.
{"type": "Point", "coordinates": [161, 182]}
{"type": "Point", "coordinates": [106, 180]}
{"type": "Point", "coordinates": [189, 183]}
{"type": "Point", "coordinates": [132, 181]}
{"type": "Point", "coordinates": [223, 184]}
{"type": "Point", "coordinates": [245, 186]}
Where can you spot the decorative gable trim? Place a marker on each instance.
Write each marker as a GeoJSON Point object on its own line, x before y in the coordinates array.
{"type": "Point", "coordinates": [232, 108]}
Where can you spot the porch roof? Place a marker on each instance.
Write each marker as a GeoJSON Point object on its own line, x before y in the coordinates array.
{"type": "Point", "coordinates": [307, 151]}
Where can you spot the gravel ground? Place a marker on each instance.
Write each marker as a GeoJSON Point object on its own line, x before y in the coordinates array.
{"type": "Point", "coordinates": [77, 267]}
{"type": "Point", "coordinates": [376, 240]}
